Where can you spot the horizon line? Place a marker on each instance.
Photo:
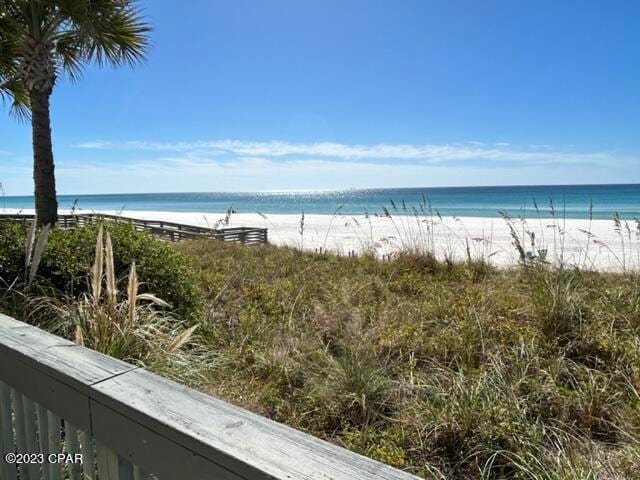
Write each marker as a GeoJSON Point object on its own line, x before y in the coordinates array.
{"type": "Point", "coordinates": [329, 190]}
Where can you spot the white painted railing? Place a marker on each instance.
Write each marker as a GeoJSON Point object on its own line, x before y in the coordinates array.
{"type": "Point", "coordinates": [61, 399]}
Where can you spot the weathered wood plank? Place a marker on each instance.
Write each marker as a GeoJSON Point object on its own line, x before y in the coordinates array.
{"type": "Point", "coordinates": [125, 469]}
{"type": "Point", "coordinates": [30, 428]}
{"type": "Point", "coordinates": [88, 455]}
{"type": "Point", "coordinates": [55, 371]}
{"type": "Point", "coordinates": [43, 437]}
{"type": "Point", "coordinates": [151, 451]}
{"type": "Point", "coordinates": [140, 474]}
{"type": "Point", "coordinates": [53, 428]}
{"type": "Point", "coordinates": [18, 421]}
{"type": "Point", "coordinates": [107, 462]}
{"type": "Point", "coordinates": [31, 435]}
{"type": "Point", "coordinates": [55, 353]}
{"type": "Point", "coordinates": [137, 472]}
{"type": "Point", "coordinates": [8, 322]}
{"type": "Point", "coordinates": [234, 439]}
{"type": "Point", "coordinates": [60, 398]}
{"type": "Point", "coordinates": [73, 448]}
{"type": "Point", "coordinates": [21, 434]}
{"type": "Point", "coordinates": [6, 432]}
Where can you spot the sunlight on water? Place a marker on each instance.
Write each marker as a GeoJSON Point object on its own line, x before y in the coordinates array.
{"type": "Point", "coordinates": [569, 201]}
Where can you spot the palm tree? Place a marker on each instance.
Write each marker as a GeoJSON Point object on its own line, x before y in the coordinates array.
{"type": "Point", "coordinates": [41, 40]}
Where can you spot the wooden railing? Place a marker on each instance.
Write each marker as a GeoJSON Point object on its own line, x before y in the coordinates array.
{"type": "Point", "coordinates": [58, 398]}
{"type": "Point", "coordinates": [167, 230]}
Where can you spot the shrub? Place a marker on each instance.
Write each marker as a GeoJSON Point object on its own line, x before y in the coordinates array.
{"type": "Point", "coordinates": [69, 254]}
{"type": "Point", "coordinates": [12, 247]}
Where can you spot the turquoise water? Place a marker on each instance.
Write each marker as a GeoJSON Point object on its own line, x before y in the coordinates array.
{"type": "Point", "coordinates": [571, 201]}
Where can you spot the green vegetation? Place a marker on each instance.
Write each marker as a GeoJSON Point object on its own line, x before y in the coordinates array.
{"type": "Point", "coordinates": [446, 370]}
{"type": "Point", "coordinates": [69, 254]}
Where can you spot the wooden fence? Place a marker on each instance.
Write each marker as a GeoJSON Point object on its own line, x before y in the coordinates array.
{"type": "Point", "coordinates": [58, 398]}
{"type": "Point", "coordinates": [167, 230]}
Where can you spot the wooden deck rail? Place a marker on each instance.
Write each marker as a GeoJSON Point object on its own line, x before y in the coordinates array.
{"type": "Point", "coordinates": [167, 230]}
{"type": "Point", "coordinates": [128, 424]}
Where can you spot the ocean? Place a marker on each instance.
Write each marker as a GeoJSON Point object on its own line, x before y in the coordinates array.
{"type": "Point", "coordinates": [570, 201]}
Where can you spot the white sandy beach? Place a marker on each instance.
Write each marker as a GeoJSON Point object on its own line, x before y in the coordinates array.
{"type": "Point", "coordinates": [481, 237]}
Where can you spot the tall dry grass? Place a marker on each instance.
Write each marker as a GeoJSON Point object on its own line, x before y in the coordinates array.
{"type": "Point", "coordinates": [547, 238]}
{"type": "Point", "coordinates": [133, 326]}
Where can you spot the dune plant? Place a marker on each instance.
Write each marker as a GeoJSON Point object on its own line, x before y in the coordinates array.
{"type": "Point", "coordinates": [523, 373]}
{"type": "Point", "coordinates": [16, 281]}
{"type": "Point", "coordinates": [128, 325]}
{"type": "Point", "coordinates": [221, 222]}
{"type": "Point", "coordinates": [301, 231]}
{"type": "Point", "coordinates": [411, 228]}
{"type": "Point", "coordinates": [34, 248]}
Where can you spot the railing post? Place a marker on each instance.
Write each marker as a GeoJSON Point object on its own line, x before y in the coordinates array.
{"type": "Point", "coordinates": [31, 435]}
{"type": "Point", "coordinates": [107, 463]}
{"type": "Point", "coordinates": [43, 438]}
{"type": "Point", "coordinates": [18, 423]}
{"type": "Point", "coordinates": [6, 432]}
{"type": "Point", "coordinates": [88, 457]}
{"type": "Point", "coordinates": [53, 426]}
{"type": "Point", "coordinates": [73, 448]}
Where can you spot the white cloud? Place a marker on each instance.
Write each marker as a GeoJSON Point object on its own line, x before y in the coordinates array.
{"type": "Point", "coordinates": [234, 165]}
{"type": "Point", "coordinates": [255, 173]}
{"type": "Point", "coordinates": [96, 145]}
{"type": "Point", "coordinates": [430, 153]}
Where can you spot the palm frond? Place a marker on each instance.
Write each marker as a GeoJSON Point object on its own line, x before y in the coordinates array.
{"type": "Point", "coordinates": [11, 89]}
{"type": "Point", "coordinates": [71, 53]}
{"type": "Point", "coordinates": [13, 93]}
{"type": "Point", "coordinates": [105, 31]}
{"type": "Point", "coordinates": [76, 32]}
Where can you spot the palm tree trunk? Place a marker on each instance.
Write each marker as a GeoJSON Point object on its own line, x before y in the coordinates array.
{"type": "Point", "coordinates": [43, 168]}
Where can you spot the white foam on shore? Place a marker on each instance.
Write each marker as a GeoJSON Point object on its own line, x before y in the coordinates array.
{"type": "Point", "coordinates": [593, 245]}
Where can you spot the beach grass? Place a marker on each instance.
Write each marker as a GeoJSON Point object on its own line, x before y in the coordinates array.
{"type": "Point", "coordinates": [444, 368]}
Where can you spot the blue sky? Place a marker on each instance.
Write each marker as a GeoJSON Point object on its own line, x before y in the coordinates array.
{"type": "Point", "coordinates": [322, 94]}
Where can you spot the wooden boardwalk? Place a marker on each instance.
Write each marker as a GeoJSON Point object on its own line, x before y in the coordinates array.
{"type": "Point", "coordinates": [129, 424]}
{"type": "Point", "coordinates": [166, 230]}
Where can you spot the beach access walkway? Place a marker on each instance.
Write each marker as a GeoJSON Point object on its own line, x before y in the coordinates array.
{"type": "Point", "coordinates": [166, 230]}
